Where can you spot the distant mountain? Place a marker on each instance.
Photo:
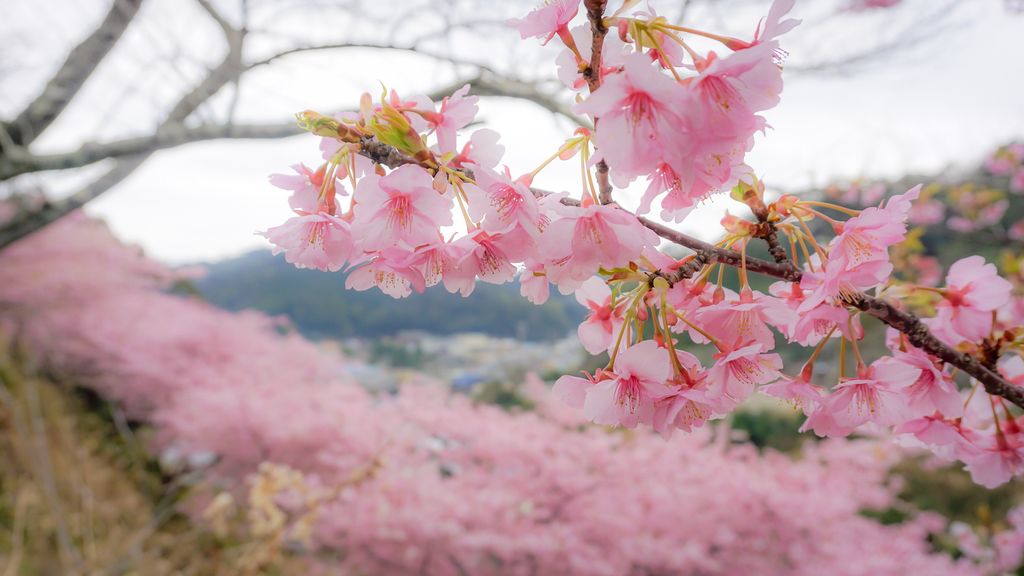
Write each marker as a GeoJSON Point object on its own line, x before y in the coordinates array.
{"type": "Point", "coordinates": [321, 307]}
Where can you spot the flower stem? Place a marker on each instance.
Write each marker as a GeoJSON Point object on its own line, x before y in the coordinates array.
{"type": "Point", "coordinates": [836, 207]}
{"type": "Point", "coordinates": [821, 346]}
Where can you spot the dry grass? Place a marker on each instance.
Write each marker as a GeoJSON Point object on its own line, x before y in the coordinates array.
{"type": "Point", "coordinates": [80, 496]}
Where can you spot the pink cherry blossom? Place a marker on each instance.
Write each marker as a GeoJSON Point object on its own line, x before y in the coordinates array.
{"type": "Point", "coordinates": [318, 241]}
{"type": "Point", "coordinates": [774, 26]}
{"type": "Point", "coordinates": [550, 18]}
{"type": "Point", "coordinates": [628, 397]}
{"type": "Point", "coordinates": [613, 54]}
{"type": "Point", "coordinates": [742, 319]}
{"type": "Point", "coordinates": [731, 90]}
{"type": "Point", "coordinates": [533, 283]}
{"type": "Point", "coordinates": [824, 422]}
{"type": "Point", "coordinates": [501, 205]}
{"type": "Point", "coordinates": [737, 373]}
{"type": "Point", "coordinates": [586, 238]}
{"type": "Point", "coordinates": [711, 165]}
{"type": "Point", "coordinates": [305, 187]}
{"type": "Point", "coordinates": [934, 430]}
{"type": "Point", "coordinates": [835, 282]}
{"type": "Point", "coordinates": [866, 238]}
{"type": "Point", "coordinates": [679, 199]}
{"type": "Point", "coordinates": [686, 409]}
{"type": "Point", "coordinates": [638, 112]}
{"type": "Point", "coordinates": [485, 257]}
{"type": "Point", "coordinates": [876, 395]}
{"type": "Point", "coordinates": [456, 111]}
{"type": "Point", "coordinates": [933, 390]}
{"type": "Point", "coordinates": [391, 271]}
{"type": "Point", "coordinates": [811, 326]}
{"type": "Point", "coordinates": [572, 390]}
{"type": "Point", "coordinates": [858, 257]}
{"type": "Point", "coordinates": [598, 331]}
{"type": "Point", "coordinates": [687, 297]}
{"type": "Point", "coordinates": [993, 459]}
{"type": "Point", "coordinates": [435, 261]}
{"type": "Point", "coordinates": [402, 207]}
{"type": "Point", "coordinates": [482, 149]}
{"type": "Point", "coordinates": [973, 290]}
{"type": "Point", "coordinates": [798, 390]}
{"type": "Point", "coordinates": [690, 404]}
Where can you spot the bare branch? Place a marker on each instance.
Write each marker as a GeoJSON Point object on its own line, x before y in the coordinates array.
{"type": "Point", "coordinates": [27, 223]}
{"type": "Point", "coordinates": [16, 158]}
{"type": "Point", "coordinates": [167, 137]}
{"type": "Point", "coordinates": [217, 17]}
{"type": "Point", "coordinates": [722, 255]}
{"type": "Point", "coordinates": [595, 14]}
{"type": "Point", "coordinates": [71, 75]}
{"type": "Point", "coordinates": [373, 45]}
{"type": "Point", "coordinates": [490, 84]}
{"type": "Point", "coordinates": [18, 161]}
{"type": "Point", "coordinates": [917, 333]}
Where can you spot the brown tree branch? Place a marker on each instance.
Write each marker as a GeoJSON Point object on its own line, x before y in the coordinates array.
{"type": "Point", "coordinates": [18, 161]}
{"type": "Point", "coordinates": [166, 137]}
{"type": "Point", "coordinates": [592, 73]}
{"type": "Point", "coordinates": [28, 222]}
{"type": "Point", "coordinates": [371, 45]}
{"type": "Point", "coordinates": [24, 224]}
{"type": "Point", "coordinates": [726, 256]}
{"type": "Point", "coordinates": [766, 229]}
{"type": "Point", "coordinates": [917, 333]}
{"type": "Point", "coordinates": [492, 84]}
{"type": "Point", "coordinates": [217, 17]}
{"type": "Point", "coordinates": [71, 76]}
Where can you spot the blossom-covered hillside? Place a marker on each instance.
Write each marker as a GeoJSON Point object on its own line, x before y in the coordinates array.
{"type": "Point", "coordinates": [301, 463]}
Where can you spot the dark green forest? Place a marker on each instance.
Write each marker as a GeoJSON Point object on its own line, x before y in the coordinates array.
{"type": "Point", "coordinates": [321, 307]}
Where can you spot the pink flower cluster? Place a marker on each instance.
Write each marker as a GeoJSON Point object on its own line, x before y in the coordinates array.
{"type": "Point", "coordinates": [963, 208]}
{"type": "Point", "coordinates": [397, 233]}
{"type": "Point", "coordinates": [456, 487]}
{"type": "Point", "coordinates": [1001, 550]}
{"type": "Point", "coordinates": [686, 131]}
{"type": "Point", "coordinates": [1009, 161]}
{"type": "Point", "coordinates": [684, 120]}
{"type": "Point", "coordinates": [684, 125]}
{"type": "Point", "coordinates": [653, 383]}
{"type": "Point", "coordinates": [976, 208]}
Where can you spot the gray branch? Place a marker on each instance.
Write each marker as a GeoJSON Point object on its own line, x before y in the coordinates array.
{"type": "Point", "coordinates": [28, 222]}
{"type": "Point", "coordinates": [71, 75]}
{"type": "Point", "coordinates": [129, 153]}
{"type": "Point", "coordinates": [173, 134]}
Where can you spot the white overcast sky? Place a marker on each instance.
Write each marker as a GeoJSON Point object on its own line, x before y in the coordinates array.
{"type": "Point", "coordinates": [939, 105]}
